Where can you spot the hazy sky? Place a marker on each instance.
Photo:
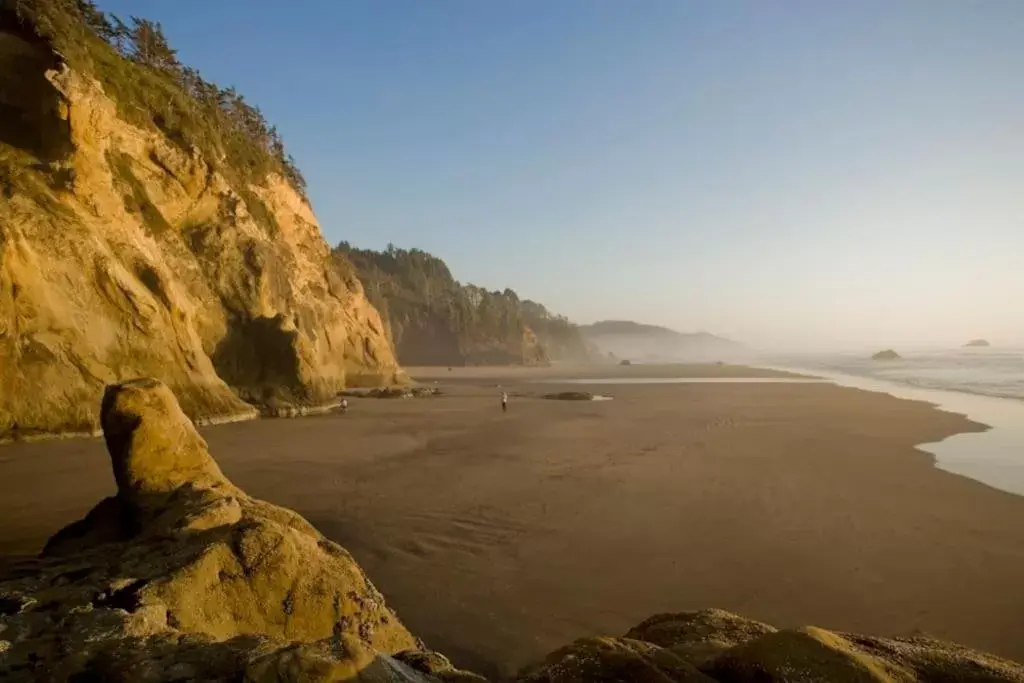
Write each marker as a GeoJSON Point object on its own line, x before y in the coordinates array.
{"type": "Point", "coordinates": [779, 172]}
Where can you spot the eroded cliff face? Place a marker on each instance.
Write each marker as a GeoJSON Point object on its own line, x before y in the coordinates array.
{"type": "Point", "coordinates": [433, 319]}
{"type": "Point", "coordinates": [431, 341]}
{"type": "Point", "coordinates": [122, 256]}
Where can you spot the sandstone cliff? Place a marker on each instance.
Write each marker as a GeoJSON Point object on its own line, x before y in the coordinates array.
{"type": "Point", "coordinates": [181, 576]}
{"type": "Point", "coordinates": [124, 252]}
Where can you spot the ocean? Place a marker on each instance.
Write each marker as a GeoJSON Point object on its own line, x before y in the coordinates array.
{"type": "Point", "coordinates": [983, 371]}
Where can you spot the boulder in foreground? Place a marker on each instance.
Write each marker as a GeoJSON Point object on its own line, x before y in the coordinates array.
{"type": "Point", "coordinates": [182, 576]}
{"type": "Point", "coordinates": [712, 645]}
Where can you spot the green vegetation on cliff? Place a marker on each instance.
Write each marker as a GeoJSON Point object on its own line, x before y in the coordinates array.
{"type": "Point", "coordinates": [433, 319]}
{"type": "Point", "coordinates": [140, 71]}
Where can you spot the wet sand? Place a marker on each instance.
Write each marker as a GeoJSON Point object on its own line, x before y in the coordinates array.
{"type": "Point", "coordinates": [499, 537]}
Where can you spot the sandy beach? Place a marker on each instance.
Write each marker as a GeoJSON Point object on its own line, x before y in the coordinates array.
{"type": "Point", "coordinates": [498, 537]}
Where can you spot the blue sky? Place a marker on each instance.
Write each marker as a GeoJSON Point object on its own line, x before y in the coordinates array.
{"type": "Point", "coordinates": [787, 173]}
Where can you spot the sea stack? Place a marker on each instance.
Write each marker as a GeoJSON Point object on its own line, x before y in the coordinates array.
{"type": "Point", "coordinates": [887, 354]}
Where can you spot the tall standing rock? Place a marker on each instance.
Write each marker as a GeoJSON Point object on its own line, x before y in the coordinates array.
{"type": "Point", "coordinates": [179, 551]}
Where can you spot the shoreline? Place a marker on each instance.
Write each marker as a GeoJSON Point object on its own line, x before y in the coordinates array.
{"type": "Point", "coordinates": [989, 455]}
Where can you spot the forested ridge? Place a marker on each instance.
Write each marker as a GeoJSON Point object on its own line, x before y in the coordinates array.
{"type": "Point", "coordinates": [433, 319]}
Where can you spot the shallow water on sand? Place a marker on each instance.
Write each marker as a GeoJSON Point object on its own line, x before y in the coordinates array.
{"type": "Point", "coordinates": [688, 380]}
{"type": "Point", "coordinates": [994, 457]}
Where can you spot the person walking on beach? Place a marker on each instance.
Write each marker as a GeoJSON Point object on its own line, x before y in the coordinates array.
{"type": "Point", "coordinates": [504, 402]}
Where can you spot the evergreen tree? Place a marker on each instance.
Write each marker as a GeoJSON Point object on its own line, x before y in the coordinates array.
{"type": "Point", "coordinates": [149, 45]}
{"type": "Point", "coordinates": [96, 20]}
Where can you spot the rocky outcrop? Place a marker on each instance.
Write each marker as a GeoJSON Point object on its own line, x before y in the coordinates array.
{"type": "Point", "coordinates": [698, 637]}
{"type": "Point", "coordinates": [393, 392]}
{"type": "Point", "coordinates": [887, 354]}
{"type": "Point", "coordinates": [575, 396]}
{"type": "Point", "coordinates": [121, 255]}
{"type": "Point", "coordinates": [181, 576]}
{"type": "Point", "coordinates": [712, 646]}
{"type": "Point", "coordinates": [978, 343]}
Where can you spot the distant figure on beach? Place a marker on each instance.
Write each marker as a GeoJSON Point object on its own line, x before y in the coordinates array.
{"type": "Point", "coordinates": [504, 402]}
{"type": "Point", "coordinates": [344, 405]}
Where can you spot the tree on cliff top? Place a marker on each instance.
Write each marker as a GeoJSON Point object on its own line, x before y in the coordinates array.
{"type": "Point", "coordinates": [140, 71]}
{"type": "Point", "coordinates": [144, 42]}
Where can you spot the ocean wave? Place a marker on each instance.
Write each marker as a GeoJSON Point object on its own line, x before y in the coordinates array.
{"type": "Point", "coordinates": [979, 372]}
{"type": "Point", "coordinates": [1013, 391]}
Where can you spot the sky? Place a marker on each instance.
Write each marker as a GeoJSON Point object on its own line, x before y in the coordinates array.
{"type": "Point", "coordinates": [791, 174]}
